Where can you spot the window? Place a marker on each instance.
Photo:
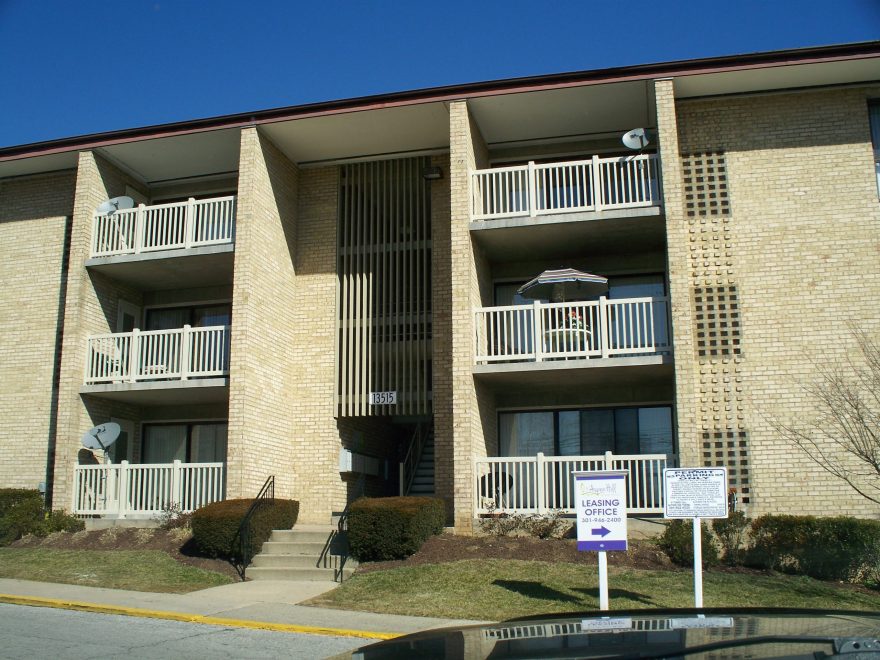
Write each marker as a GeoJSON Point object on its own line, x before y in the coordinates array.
{"type": "Point", "coordinates": [196, 316]}
{"type": "Point", "coordinates": [588, 431]}
{"type": "Point", "coordinates": [874, 118]}
{"type": "Point", "coordinates": [197, 442]}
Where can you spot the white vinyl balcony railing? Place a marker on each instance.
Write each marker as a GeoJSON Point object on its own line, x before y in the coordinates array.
{"type": "Point", "coordinates": [157, 355]}
{"type": "Point", "coordinates": [575, 330]}
{"type": "Point", "coordinates": [538, 484]}
{"type": "Point", "coordinates": [118, 490]}
{"type": "Point", "coordinates": [595, 184]}
{"type": "Point", "coordinates": [175, 226]}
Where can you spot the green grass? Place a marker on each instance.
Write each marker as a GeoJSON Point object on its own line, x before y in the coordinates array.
{"type": "Point", "coordinates": [497, 590]}
{"type": "Point", "coordinates": [138, 570]}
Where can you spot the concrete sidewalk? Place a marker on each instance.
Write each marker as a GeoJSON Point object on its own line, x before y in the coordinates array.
{"type": "Point", "coordinates": [248, 604]}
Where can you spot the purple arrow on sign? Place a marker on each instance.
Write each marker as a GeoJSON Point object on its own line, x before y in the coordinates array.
{"type": "Point", "coordinates": [601, 531]}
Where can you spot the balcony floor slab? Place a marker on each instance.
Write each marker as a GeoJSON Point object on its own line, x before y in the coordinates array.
{"type": "Point", "coordinates": [566, 234]}
{"type": "Point", "coordinates": [164, 392]}
{"type": "Point", "coordinates": [569, 373]}
{"type": "Point", "coordinates": [166, 269]}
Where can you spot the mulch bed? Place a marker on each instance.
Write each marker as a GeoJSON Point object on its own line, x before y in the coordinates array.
{"type": "Point", "coordinates": [447, 547]}
{"type": "Point", "coordinates": [177, 543]}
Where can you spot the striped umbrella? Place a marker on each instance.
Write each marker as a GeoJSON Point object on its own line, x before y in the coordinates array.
{"type": "Point", "coordinates": [562, 284]}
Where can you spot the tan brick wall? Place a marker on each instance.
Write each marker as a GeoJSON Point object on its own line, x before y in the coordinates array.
{"type": "Point", "coordinates": [34, 212]}
{"type": "Point", "coordinates": [90, 308]}
{"type": "Point", "coordinates": [801, 244]}
{"type": "Point", "coordinates": [465, 425]}
{"type": "Point", "coordinates": [263, 374]}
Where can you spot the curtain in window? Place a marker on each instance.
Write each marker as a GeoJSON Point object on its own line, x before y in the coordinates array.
{"type": "Point", "coordinates": [208, 443]}
{"type": "Point", "coordinates": [164, 443]}
{"type": "Point", "coordinates": [172, 318]}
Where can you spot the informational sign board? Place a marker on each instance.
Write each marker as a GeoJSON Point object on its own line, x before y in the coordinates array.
{"type": "Point", "coordinates": [601, 510]}
{"type": "Point", "coordinates": [383, 398]}
{"type": "Point", "coordinates": [695, 492]}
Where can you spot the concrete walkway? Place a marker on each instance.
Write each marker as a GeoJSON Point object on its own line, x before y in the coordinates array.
{"type": "Point", "coordinates": [259, 604]}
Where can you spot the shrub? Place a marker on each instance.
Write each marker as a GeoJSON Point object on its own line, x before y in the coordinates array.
{"type": "Point", "coordinates": [173, 518]}
{"type": "Point", "coordinates": [384, 528]}
{"type": "Point", "coordinates": [214, 526]}
{"type": "Point", "coordinates": [839, 548]}
{"type": "Point", "coordinates": [22, 512]}
{"type": "Point", "coordinates": [731, 533]}
{"type": "Point", "coordinates": [677, 541]}
{"type": "Point", "coordinates": [547, 526]}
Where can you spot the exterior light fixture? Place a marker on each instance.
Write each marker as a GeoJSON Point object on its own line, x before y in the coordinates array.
{"type": "Point", "coordinates": [432, 173]}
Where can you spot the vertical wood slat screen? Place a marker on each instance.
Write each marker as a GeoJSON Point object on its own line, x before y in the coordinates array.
{"type": "Point", "coordinates": [383, 289]}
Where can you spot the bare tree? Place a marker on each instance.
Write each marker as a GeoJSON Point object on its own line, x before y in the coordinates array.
{"type": "Point", "coordinates": [843, 435]}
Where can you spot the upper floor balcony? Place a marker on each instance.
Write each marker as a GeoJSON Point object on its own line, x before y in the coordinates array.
{"type": "Point", "coordinates": [162, 245]}
{"type": "Point", "coordinates": [188, 364]}
{"type": "Point", "coordinates": [584, 186]}
{"type": "Point", "coordinates": [568, 335]}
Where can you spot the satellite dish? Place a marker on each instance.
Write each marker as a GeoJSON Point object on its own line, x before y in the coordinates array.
{"type": "Point", "coordinates": [101, 436]}
{"type": "Point", "coordinates": [636, 139]}
{"type": "Point", "coordinates": [113, 205]}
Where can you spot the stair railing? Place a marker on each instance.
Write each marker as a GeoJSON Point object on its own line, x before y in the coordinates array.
{"type": "Point", "coordinates": [411, 461]}
{"type": "Point", "coordinates": [342, 527]}
{"type": "Point", "coordinates": [243, 538]}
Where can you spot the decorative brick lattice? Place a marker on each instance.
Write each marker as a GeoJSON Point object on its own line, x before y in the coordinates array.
{"type": "Point", "coordinates": [730, 448]}
{"type": "Point", "coordinates": [717, 322]}
{"type": "Point", "coordinates": [705, 184]}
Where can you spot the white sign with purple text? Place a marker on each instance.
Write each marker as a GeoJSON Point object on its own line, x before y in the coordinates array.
{"type": "Point", "coordinates": [601, 510]}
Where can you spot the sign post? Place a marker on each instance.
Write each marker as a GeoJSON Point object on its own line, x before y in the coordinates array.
{"type": "Point", "coordinates": [601, 518]}
{"type": "Point", "coordinates": [696, 493]}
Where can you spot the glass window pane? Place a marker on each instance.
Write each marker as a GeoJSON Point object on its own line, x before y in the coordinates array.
{"type": "Point", "coordinates": [526, 434]}
{"type": "Point", "coordinates": [597, 432]}
{"type": "Point", "coordinates": [208, 443]}
{"type": "Point", "coordinates": [644, 286]}
{"type": "Point", "coordinates": [655, 430]}
{"type": "Point", "coordinates": [165, 443]}
{"type": "Point", "coordinates": [626, 427]}
{"type": "Point", "coordinates": [167, 319]}
{"type": "Point", "coordinates": [213, 315]}
{"type": "Point", "coordinates": [569, 433]}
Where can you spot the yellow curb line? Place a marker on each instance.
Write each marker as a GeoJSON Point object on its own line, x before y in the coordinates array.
{"type": "Point", "coordinates": [189, 618]}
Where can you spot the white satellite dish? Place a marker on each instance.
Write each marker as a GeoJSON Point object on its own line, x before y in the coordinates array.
{"type": "Point", "coordinates": [113, 205]}
{"type": "Point", "coordinates": [636, 139]}
{"type": "Point", "coordinates": [101, 436]}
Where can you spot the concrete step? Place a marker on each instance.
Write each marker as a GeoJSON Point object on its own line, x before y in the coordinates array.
{"type": "Point", "coordinates": [301, 561]}
{"type": "Point", "coordinates": [299, 535]}
{"type": "Point", "coordinates": [310, 548]}
{"type": "Point", "coordinates": [305, 574]}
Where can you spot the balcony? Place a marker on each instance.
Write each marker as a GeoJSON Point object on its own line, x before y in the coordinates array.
{"type": "Point", "coordinates": [538, 484]}
{"type": "Point", "coordinates": [145, 490]}
{"type": "Point", "coordinates": [593, 185]}
{"type": "Point", "coordinates": [157, 247]}
{"type": "Point", "coordinates": [581, 331]}
{"type": "Point", "coordinates": [140, 366]}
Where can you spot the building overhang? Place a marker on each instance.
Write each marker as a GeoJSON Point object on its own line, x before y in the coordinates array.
{"type": "Point", "coordinates": [155, 271]}
{"type": "Point", "coordinates": [561, 374]}
{"type": "Point", "coordinates": [163, 393]}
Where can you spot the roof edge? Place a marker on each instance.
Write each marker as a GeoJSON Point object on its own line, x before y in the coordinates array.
{"type": "Point", "coordinates": [813, 54]}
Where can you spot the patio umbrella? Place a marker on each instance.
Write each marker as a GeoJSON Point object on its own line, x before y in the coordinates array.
{"type": "Point", "coordinates": [563, 283]}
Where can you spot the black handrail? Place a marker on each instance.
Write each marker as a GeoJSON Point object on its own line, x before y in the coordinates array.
{"type": "Point", "coordinates": [342, 527]}
{"type": "Point", "coordinates": [244, 535]}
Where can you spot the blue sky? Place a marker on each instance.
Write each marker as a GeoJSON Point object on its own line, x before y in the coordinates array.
{"type": "Point", "coordinates": [77, 67]}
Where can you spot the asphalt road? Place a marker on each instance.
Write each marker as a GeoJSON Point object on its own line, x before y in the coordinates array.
{"type": "Point", "coordinates": [41, 632]}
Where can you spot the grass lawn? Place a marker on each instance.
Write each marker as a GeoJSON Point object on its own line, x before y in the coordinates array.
{"type": "Point", "coordinates": [497, 590]}
{"type": "Point", "coordinates": [139, 570]}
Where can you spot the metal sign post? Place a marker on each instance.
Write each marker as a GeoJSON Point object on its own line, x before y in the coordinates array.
{"type": "Point", "coordinates": [696, 493]}
{"type": "Point", "coordinates": [601, 518]}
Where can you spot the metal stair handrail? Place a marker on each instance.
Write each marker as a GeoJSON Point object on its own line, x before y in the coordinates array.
{"type": "Point", "coordinates": [244, 535]}
{"type": "Point", "coordinates": [410, 462]}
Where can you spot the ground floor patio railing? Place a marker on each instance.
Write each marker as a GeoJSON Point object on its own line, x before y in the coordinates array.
{"type": "Point", "coordinates": [538, 484]}
{"type": "Point", "coordinates": [146, 489]}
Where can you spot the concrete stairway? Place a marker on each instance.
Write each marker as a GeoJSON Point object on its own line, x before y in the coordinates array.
{"type": "Point", "coordinates": [306, 552]}
{"type": "Point", "coordinates": [423, 481]}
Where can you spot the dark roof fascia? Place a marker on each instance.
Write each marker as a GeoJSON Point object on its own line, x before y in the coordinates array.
{"type": "Point", "coordinates": [810, 55]}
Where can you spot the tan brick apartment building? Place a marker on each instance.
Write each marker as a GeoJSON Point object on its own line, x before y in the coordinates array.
{"type": "Point", "coordinates": [281, 269]}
